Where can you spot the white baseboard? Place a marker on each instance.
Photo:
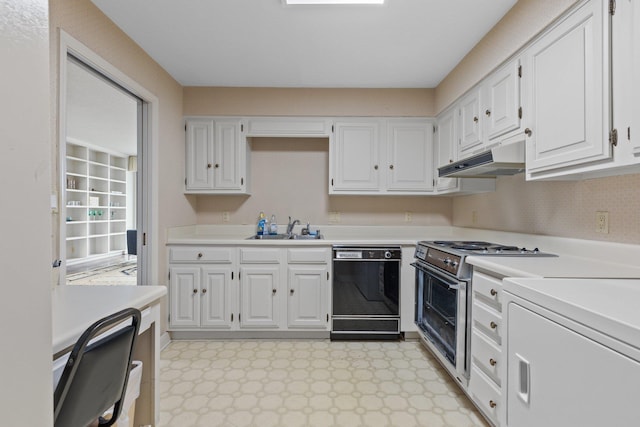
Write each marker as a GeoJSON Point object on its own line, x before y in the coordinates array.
{"type": "Point", "coordinates": [165, 340]}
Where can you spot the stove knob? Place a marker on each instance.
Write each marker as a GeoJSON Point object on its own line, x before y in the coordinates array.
{"type": "Point", "coordinates": [454, 263]}
{"type": "Point", "coordinates": [447, 261]}
{"type": "Point", "coordinates": [387, 254]}
{"type": "Point", "coordinates": [536, 250]}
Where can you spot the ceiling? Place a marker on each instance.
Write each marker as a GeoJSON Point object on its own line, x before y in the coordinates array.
{"type": "Point", "coordinates": [98, 113]}
{"type": "Point", "coordinates": [263, 43]}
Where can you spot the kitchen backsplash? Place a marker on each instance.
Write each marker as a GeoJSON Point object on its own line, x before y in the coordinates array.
{"type": "Point", "coordinates": [559, 208]}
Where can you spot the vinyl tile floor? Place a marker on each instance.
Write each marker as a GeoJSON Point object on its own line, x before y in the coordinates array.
{"type": "Point", "coordinates": [288, 383]}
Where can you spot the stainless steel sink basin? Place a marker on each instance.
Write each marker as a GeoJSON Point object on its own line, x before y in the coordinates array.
{"type": "Point", "coordinates": [286, 237]}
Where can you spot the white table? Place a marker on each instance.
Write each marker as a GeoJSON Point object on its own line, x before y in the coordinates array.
{"type": "Point", "coordinates": [75, 308]}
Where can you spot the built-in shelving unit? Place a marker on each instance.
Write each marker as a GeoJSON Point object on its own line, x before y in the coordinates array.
{"type": "Point", "coordinates": [96, 203]}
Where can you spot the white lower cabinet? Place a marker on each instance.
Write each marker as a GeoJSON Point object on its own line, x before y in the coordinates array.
{"type": "Point", "coordinates": [559, 377]}
{"type": "Point", "coordinates": [248, 289]}
{"type": "Point", "coordinates": [485, 378]}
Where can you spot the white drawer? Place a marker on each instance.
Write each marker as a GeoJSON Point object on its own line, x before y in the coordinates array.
{"type": "Point", "coordinates": [488, 288]}
{"type": "Point", "coordinates": [201, 255]}
{"type": "Point", "coordinates": [308, 256]}
{"type": "Point", "coordinates": [487, 320]}
{"type": "Point", "coordinates": [486, 355]}
{"type": "Point", "coordinates": [259, 256]}
{"type": "Point", "coordinates": [485, 394]}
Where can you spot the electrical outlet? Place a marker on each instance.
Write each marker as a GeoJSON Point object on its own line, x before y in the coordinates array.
{"type": "Point", "coordinates": [334, 217]}
{"type": "Point", "coordinates": [225, 216]}
{"type": "Point", "coordinates": [602, 222]}
{"type": "Point", "coordinates": [407, 217]}
{"type": "Point", "coordinates": [474, 217]}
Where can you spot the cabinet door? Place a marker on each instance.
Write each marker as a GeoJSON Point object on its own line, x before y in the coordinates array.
{"type": "Point", "coordinates": [410, 155]}
{"type": "Point", "coordinates": [446, 146]}
{"type": "Point", "coordinates": [228, 156]}
{"type": "Point", "coordinates": [563, 378]}
{"type": "Point", "coordinates": [567, 73]}
{"type": "Point", "coordinates": [501, 114]}
{"type": "Point", "coordinates": [470, 124]}
{"type": "Point", "coordinates": [185, 296]}
{"type": "Point", "coordinates": [217, 301]}
{"type": "Point", "coordinates": [259, 297]}
{"type": "Point", "coordinates": [356, 156]}
{"type": "Point", "coordinates": [199, 160]}
{"type": "Point", "coordinates": [308, 297]}
{"type": "Point", "coordinates": [634, 131]}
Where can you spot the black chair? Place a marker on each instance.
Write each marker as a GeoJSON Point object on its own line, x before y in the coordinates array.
{"type": "Point", "coordinates": [96, 374]}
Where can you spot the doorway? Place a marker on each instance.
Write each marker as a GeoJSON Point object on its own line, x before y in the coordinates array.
{"type": "Point", "coordinates": [103, 135]}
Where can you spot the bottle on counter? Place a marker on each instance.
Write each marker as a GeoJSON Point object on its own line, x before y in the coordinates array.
{"type": "Point", "coordinates": [273, 227]}
{"type": "Point", "coordinates": [262, 223]}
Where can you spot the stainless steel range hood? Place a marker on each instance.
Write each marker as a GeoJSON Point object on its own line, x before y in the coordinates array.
{"type": "Point", "coordinates": [498, 161]}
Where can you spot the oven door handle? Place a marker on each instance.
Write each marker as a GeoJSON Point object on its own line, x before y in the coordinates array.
{"type": "Point", "coordinates": [458, 287]}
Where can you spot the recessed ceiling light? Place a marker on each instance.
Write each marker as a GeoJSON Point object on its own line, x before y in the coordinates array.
{"type": "Point", "coordinates": [331, 2]}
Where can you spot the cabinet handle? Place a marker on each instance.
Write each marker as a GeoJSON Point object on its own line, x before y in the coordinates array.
{"type": "Point", "coordinates": [208, 165]}
{"type": "Point", "coordinates": [375, 167]}
{"type": "Point", "coordinates": [204, 291]}
{"type": "Point", "coordinates": [475, 119]}
{"type": "Point", "coordinates": [195, 291]}
{"type": "Point", "coordinates": [492, 362]}
{"type": "Point", "coordinates": [291, 291]}
{"type": "Point", "coordinates": [200, 255]}
{"type": "Point", "coordinates": [493, 325]}
{"type": "Point", "coordinates": [232, 317]}
{"type": "Point", "coordinates": [390, 166]}
{"type": "Point", "coordinates": [273, 291]}
{"type": "Point", "coordinates": [492, 404]}
{"type": "Point", "coordinates": [487, 112]}
{"type": "Point", "coordinates": [528, 132]}
{"type": "Point", "coordinates": [216, 166]}
{"type": "Point", "coordinates": [493, 292]}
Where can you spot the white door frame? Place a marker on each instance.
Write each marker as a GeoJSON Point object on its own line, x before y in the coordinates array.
{"type": "Point", "coordinates": [147, 201]}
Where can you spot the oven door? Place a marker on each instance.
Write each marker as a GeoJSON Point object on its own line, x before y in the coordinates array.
{"type": "Point", "coordinates": [441, 314]}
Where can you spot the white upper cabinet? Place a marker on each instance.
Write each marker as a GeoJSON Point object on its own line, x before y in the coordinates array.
{"type": "Point", "coordinates": [215, 156]}
{"type": "Point", "coordinates": [634, 24]}
{"type": "Point", "coordinates": [566, 73]}
{"type": "Point", "coordinates": [470, 123]}
{"type": "Point", "coordinates": [356, 156]}
{"type": "Point", "coordinates": [502, 111]}
{"type": "Point", "coordinates": [445, 150]}
{"type": "Point", "coordinates": [409, 155]}
{"type": "Point", "coordinates": [382, 156]}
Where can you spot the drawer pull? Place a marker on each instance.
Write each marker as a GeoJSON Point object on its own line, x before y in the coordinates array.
{"type": "Point", "coordinates": [199, 255]}
{"type": "Point", "coordinates": [493, 292]}
{"type": "Point", "coordinates": [492, 404]}
{"type": "Point", "coordinates": [273, 291]}
{"type": "Point", "coordinates": [492, 362]}
{"type": "Point", "coordinates": [493, 325]}
{"type": "Point", "coordinates": [204, 291]}
{"type": "Point", "coordinates": [291, 291]}
{"type": "Point", "coordinates": [195, 291]}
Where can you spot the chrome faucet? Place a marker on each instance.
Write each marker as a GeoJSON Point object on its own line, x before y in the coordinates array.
{"type": "Point", "coordinates": [291, 225]}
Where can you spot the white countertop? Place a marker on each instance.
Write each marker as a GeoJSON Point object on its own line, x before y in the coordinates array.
{"type": "Point", "coordinates": [560, 266]}
{"type": "Point", "coordinates": [613, 312]}
{"type": "Point", "coordinates": [75, 308]}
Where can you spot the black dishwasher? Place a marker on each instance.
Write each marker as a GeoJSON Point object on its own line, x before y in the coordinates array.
{"type": "Point", "coordinates": [366, 292]}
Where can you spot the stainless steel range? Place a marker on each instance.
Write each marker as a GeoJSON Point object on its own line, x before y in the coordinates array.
{"type": "Point", "coordinates": [443, 303]}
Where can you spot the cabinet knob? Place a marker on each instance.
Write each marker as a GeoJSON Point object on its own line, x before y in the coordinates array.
{"type": "Point", "coordinates": [291, 291]}
{"type": "Point", "coordinates": [208, 165]}
{"type": "Point", "coordinates": [204, 291]}
{"type": "Point", "coordinates": [273, 291]}
{"type": "Point", "coordinates": [492, 404]}
{"type": "Point", "coordinates": [195, 291]}
{"type": "Point", "coordinates": [493, 325]}
{"type": "Point", "coordinates": [216, 166]}
{"type": "Point", "coordinates": [492, 362]}
{"type": "Point", "coordinates": [475, 119]}
{"type": "Point", "coordinates": [493, 292]}
{"type": "Point", "coordinates": [450, 160]}
{"type": "Point", "coordinates": [200, 255]}
{"type": "Point", "coordinates": [375, 167]}
{"type": "Point", "coordinates": [390, 166]}
{"type": "Point", "coordinates": [488, 113]}
{"type": "Point", "coordinates": [528, 132]}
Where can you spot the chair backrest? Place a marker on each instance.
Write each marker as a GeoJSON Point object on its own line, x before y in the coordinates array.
{"type": "Point", "coordinates": [96, 374]}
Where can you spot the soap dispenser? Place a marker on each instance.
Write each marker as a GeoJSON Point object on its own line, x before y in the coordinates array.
{"type": "Point", "coordinates": [273, 227]}
{"type": "Point", "coordinates": [262, 223]}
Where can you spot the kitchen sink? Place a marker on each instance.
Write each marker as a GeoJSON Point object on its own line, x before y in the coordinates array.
{"type": "Point", "coordinates": [286, 237]}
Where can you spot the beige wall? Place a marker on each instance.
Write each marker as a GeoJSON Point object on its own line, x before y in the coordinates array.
{"type": "Point", "coordinates": [289, 177]}
{"type": "Point", "coordinates": [525, 19]}
{"type": "Point", "coordinates": [86, 23]}
{"type": "Point", "coordinates": [308, 102]}
{"type": "Point", "coordinates": [566, 209]}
